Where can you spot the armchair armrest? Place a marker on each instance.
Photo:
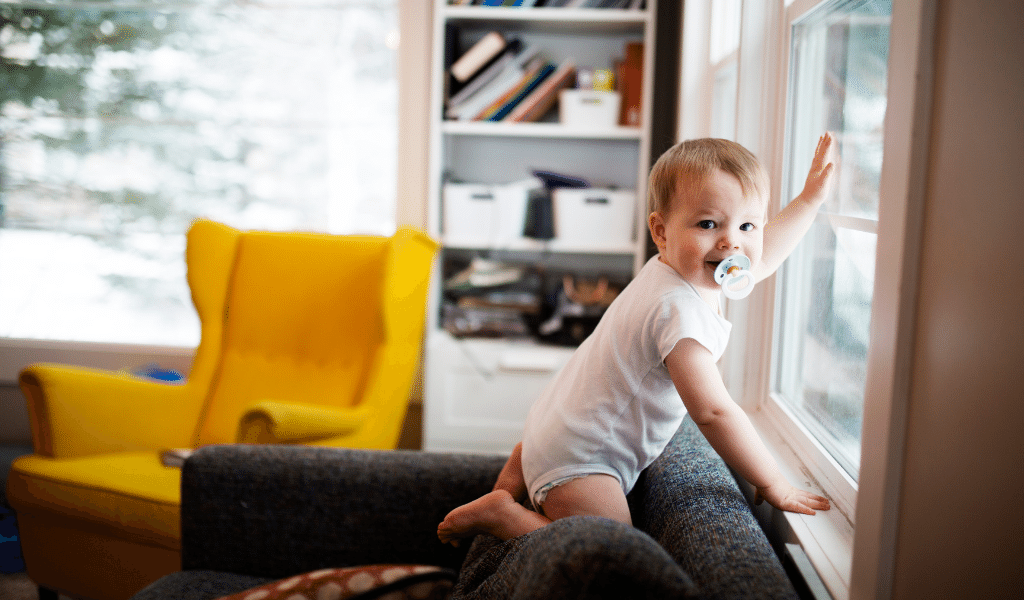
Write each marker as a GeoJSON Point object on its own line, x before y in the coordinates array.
{"type": "Point", "coordinates": [76, 411]}
{"type": "Point", "coordinates": [274, 422]}
{"type": "Point", "coordinates": [273, 511]}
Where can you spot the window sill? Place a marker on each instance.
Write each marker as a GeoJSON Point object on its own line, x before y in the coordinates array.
{"type": "Point", "coordinates": [16, 354]}
{"type": "Point", "coordinates": [827, 537]}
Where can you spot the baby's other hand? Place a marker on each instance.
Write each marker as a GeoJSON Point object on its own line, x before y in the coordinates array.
{"type": "Point", "coordinates": [821, 177]}
{"type": "Point", "coordinates": [786, 497]}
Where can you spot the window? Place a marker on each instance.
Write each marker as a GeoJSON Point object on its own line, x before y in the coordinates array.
{"type": "Point", "coordinates": [120, 123]}
{"type": "Point", "coordinates": [806, 358]}
{"type": "Point", "coordinates": [723, 60]}
{"type": "Point", "coordinates": [710, 77]}
{"type": "Point", "coordinates": [838, 67]}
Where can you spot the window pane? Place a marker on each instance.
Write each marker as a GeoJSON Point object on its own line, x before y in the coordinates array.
{"type": "Point", "coordinates": [723, 102]}
{"type": "Point", "coordinates": [839, 58]}
{"type": "Point", "coordinates": [120, 125]}
{"type": "Point", "coordinates": [725, 28]}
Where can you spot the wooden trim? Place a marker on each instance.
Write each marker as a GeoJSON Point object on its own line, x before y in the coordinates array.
{"type": "Point", "coordinates": [902, 191]}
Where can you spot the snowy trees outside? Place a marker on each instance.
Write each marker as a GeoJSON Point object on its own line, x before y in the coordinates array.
{"type": "Point", "coordinates": [121, 122]}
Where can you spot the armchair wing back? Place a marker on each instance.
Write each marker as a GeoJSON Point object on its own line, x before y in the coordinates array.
{"type": "Point", "coordinates": [302, 324]}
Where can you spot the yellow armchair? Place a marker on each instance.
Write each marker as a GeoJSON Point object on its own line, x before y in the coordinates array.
{"type": "Point", "coordinates": [306, 338]}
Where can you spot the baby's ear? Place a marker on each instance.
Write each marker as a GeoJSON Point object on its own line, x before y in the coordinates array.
{"type": "Point", "coordinates": [656, 225]}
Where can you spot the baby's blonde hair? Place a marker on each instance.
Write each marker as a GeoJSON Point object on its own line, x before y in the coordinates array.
{"type": "Point", "coordinates": [690, 163]}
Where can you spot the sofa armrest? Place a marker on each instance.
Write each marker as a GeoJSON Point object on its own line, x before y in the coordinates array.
{"type": "Point", "coordinates": [575, 557]}
{"type": "Point", "coordinates": [273, 511]}
{"type": "Point", "coordinates": [690, 503]}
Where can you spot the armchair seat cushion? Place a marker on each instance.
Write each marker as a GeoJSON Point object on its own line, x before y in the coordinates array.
{"type": "Point", "coordinates": [128, 492]}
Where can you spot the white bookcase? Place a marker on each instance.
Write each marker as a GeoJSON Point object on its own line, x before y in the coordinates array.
{"type": "Point", "coordinates": [477, 391]}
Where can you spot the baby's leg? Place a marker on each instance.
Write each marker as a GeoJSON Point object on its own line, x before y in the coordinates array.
{"type": "Point", "coordinates": [496, 513]}
{"type": "Point", "coordinates": [511, 477]}
{"type": "Point", "coordinates": [595, 495]}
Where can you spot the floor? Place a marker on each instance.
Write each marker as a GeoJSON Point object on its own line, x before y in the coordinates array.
{"type": "Point", "coordinates": [17, 586]}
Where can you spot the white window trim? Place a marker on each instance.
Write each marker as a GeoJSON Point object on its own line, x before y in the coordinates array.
{"type": "Point", "coordinates": [903, 180]}
{"type": "Point", "coordinates": [851, 565]}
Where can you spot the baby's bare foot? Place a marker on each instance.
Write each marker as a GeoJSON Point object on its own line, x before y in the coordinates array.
{"type": "Point", "coordinates": [483, 515]}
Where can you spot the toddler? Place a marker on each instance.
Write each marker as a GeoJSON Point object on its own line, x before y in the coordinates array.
{"type": "Point", "coordinates": [621, 397]}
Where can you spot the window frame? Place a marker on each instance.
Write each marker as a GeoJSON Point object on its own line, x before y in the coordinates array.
{"type": "Point", "coordinates": [851, 547]}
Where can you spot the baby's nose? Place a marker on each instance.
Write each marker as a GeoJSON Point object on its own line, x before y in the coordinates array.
{"type": "Point", "coordinates": [728, 241]}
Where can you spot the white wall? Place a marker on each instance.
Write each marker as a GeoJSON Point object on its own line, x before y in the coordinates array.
{"type": "Point", "coordinates": [961, 528]}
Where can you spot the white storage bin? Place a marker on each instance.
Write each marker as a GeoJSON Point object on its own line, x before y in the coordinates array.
{"type": "Point", "coordinates": [478, 215]}
{"type": "Point", "coordinates": [588, 109]}
{"type": "Point", "coordinates": [594, 219]}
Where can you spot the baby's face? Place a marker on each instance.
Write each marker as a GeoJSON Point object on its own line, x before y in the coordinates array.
{"type": "Point", "coordinates": [707, 226]}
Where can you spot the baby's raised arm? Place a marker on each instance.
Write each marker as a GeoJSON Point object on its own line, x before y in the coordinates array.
{"type": "Point", "coordinates": [729, 431]}
{"type": "Point", "coordinates": [784, 231]}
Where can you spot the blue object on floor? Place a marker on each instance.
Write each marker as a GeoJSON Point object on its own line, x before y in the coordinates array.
{"type": "Point", "coordinates": [10, 548]}
{"type": "Point", "coordinates": [154, 372]}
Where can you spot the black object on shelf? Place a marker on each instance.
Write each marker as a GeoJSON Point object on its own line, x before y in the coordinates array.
{"type": "Point", "coordinates": [540, 211]}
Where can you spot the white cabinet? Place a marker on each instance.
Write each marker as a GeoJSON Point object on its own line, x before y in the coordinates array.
{"type": "Point", "coordinates": [477, 391]}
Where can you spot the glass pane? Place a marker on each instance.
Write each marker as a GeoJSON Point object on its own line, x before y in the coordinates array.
{"type": "Point", "coordinates": [121, 124]}
{"type": "Point", "coordinates": [839, 59]}
{"type": "Point", "coordinates": [723, 102]}
{"type": "Point", "coordinates": [725, 28]}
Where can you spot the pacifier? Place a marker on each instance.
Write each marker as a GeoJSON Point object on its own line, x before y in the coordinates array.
{"type": "Point", "coordinates": [731, 271]}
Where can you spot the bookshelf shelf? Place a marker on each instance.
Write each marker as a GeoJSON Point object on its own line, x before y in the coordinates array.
{"type": "Point", "coordinates": [564, 20]}
{"type": "Point", "coordinates": [477, 392]}
{"type": "Point", "coordinates": [540, 130]}
{"type": "Point", "coordinates": [539, 247]}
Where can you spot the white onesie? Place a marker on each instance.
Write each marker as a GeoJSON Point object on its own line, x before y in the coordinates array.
{"type": "Point", "coordinates": [613, 408]}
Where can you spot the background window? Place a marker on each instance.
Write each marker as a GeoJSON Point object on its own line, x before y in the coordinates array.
{"type": "Point", "coordinates": [838, 70]}
{"type": "Point", "coordinates": [723, 53]}
{"type": "Point", "coordinates": [119, 125]}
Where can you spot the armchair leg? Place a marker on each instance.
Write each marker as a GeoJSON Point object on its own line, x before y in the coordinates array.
{"type": "Point", "coordinates": [48, 594]}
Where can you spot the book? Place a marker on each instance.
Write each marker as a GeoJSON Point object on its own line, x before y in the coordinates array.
{"type": "Point", "coordinates": [488, 73]}
{"type": "Point", "coordinates": [631, 71]}
{"type": "Point", "coordinates": [469, 108]}
{"type": "Point", "coordinates": [527, 88]}
{"type": "Point", "coordinates": [478, 55]}
{"type": "Point", "coordinates": [534, 106]}
{"type": "Point", "coordinates": [498, 100]}
{"type": "Point", "coordinates": [515, 91]}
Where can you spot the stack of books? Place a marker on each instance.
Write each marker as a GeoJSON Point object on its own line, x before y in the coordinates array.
{"type": "Point", "coordinates": [499, 79]}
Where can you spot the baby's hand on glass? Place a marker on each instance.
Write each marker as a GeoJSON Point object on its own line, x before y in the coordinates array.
{"type": "Point", "coordinates": [786, 497]}
{"type": "Point", "coordinates": [821, 177]}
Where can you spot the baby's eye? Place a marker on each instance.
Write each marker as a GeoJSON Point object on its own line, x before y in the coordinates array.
{"type": "Point", "coordinates": [747, 227]}
{"type": "Point", "coordinates": [706, 224]}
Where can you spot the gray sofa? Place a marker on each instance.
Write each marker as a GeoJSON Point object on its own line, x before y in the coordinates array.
{"type": "Point", "coordinates": [253, 514]}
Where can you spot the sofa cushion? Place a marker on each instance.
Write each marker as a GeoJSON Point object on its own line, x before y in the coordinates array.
{"type": "Point", "coordinates": [198, 585]}
{"type": "Point", "coordinates": [576, 557]}
{"type": "Point", "coordinates": [278, 510]}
